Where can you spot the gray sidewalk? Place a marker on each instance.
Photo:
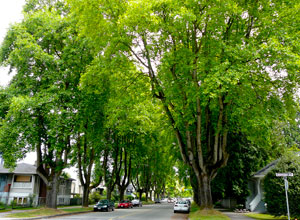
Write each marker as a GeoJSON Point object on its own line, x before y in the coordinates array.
{"type": "Point", "coordinates": [236, 216]}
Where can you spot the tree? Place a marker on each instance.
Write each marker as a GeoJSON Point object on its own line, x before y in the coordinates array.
{"type": "Point", "coordinates": [211, 63]}
{"type": "Point", "coordinates": [48, 57]}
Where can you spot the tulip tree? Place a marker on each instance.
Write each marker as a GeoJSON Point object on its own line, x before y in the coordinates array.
{"type": "Point", "coordinates": [211, 63]}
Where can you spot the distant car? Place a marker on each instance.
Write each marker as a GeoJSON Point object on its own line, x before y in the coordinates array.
{"type": "Point", "coordinates": [125, 204]}
{"type": "Point", "coordinates": [182, 206]}
{"type": "Point", "coordinates": [104, 205]}
{"type": "Point", "coordinates": [136, 202]}
{"type": "Point", "coordinates": [157, 201]}
{"type": "Point", "coordinates": [171, 200]}
{"type": "Point", "coordinates": [164, 200]}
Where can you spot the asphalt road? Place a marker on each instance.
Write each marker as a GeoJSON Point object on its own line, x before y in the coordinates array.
{"type": "Point", "coordinates": [147, 212]}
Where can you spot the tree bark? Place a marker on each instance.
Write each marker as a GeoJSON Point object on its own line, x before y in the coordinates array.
{"type": "Point", "coordinates": [52, 191]}
{"type": "Point", "coordinates": [108, 193]}
{"type": "Point", "coordinates": [122, 192]}
{"type": "Point", "coordinates": [85, 199]}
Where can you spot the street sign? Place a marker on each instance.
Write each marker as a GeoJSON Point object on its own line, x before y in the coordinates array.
{"type": "Point", "coordinates": [286, 187]}
{"type": "Point", "coordinates": [284, 174]}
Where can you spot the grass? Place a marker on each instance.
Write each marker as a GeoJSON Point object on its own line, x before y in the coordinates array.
{"type": "Point", "coordinates": [46, 212]}
{"type": "Point", "coordinates": [147, 203]}
{"type": "Point", "coordinates": [197, 214]}
{"type": "Point", "coordinates": [264, 216]}
{"type": "Point", "coordinates": [85, 209]}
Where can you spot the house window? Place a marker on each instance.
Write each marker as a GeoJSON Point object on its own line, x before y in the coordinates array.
{"type": "Point", "coordinates": [22, 178]}
{"type": "Point", "coordinates": [21, 181]}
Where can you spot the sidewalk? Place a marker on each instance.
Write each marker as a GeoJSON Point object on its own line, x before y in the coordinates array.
{"type": "Point", "coordinates": [236, 216]}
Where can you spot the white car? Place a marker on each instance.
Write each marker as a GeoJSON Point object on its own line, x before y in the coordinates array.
{"type": "Point", "coordinates": [182, 206]}
{"type": "Point", "coordinates": [136, 202]}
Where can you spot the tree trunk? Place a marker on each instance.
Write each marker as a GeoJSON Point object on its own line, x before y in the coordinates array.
{"type": "Point", "coordinates": [108, 193]}
{"type": "Point", "coordinates": [195, 186]}
{"type": "Point", "coordinates": [85, 199]}
{"type": "Point", "coordinates": [52, 191]}
{"type": "Point", "coordinates": [146, 196]}
{"type": "Point", "coordinates": [140, 194]}
{"type": "Point", "coordinates": [121, 191]}
{"type": "Point", "coordinates": [204, 195]}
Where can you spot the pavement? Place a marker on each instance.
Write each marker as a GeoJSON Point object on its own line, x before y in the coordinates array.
{"type": "Point", "coordinates": [147, 212]}
{"type": "Point", "coordinates": [236, 216]}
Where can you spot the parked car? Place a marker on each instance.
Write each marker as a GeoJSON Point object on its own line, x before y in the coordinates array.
{"type": "Point", "coordinates": [170, 200]}
{"type": "Point", "coordinates": [104, 204]}
{"type": "Point", "coordinates": [125, 204]}
{"type": "Point", "coordinates": [182, 206]}
{"type": "Point", "coordinates": [157, 201]}
{"type": "Point", "coordinates": [164, 200]}
{"type": "Point", "coordinates": [136, 202]}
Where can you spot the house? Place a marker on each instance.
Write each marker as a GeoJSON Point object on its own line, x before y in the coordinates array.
{"type": "Point", "coordinates": [19, 186]}
{"type": "Point", "coordinates": [255, 201]}
{"type": "Point", "coordinates": [24, 186]}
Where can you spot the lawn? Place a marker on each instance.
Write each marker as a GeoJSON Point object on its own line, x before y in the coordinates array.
{"type": "Point", "coordinates": [197, 214]}
{"type": "Point", "coordinates": [207, 215]}
{"type": "Point", "coordinates": [46, 212]}
{"type": "Point", "coordinates": [264, 216]}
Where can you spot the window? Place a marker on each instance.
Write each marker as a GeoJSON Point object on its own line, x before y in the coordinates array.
{"type": "Point", "coordinates": [22, 178]}
{"type": "Point", "coordinates": [21, 181]}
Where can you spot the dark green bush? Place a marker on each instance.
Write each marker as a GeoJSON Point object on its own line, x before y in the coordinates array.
{"type": "Point", "coordinates": [274, 187]}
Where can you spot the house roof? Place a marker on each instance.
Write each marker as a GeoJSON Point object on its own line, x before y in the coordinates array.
{"type": "Point", "coordinates": [264, 171]}
{"type": "Point", "coordinates": [21, 168]}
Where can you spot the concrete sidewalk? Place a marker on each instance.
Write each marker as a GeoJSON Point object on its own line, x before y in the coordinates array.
{"type": "Point", "coordinates": [236, 216]}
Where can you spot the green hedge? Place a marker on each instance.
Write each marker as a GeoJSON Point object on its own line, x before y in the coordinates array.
{"type": "Point", "coordinates": [274, 187]}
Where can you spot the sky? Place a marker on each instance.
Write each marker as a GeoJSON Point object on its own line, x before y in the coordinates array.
{"type": "Point", "coordinates": [10, 12]}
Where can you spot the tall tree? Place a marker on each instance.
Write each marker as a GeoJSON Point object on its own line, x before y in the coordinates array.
{"type": "Point", "coordinates": [48, 58]}
{"type": "Point", "coordinates": [210, 63]}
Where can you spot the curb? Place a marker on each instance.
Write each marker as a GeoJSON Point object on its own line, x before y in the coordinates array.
{"type": "Point", "coordinates": [49, 216]}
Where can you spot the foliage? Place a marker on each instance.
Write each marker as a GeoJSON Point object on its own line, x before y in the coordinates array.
{"type": "Point", "coordinates": [94, 197]}
{"type": "Point", "coordinates": [49, 58]}
{"type": "Point", "coordinates": [244, 160]}
{"type": "Point", "coordinates": [275, 190]}
{"type": "Point", "coordinates": [216, 66]}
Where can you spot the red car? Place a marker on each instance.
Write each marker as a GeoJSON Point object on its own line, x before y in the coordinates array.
{"type": "Point", "coordinates": [125, 204]}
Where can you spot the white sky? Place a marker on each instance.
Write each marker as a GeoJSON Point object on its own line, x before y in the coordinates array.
{"type": "Point", "coordinates": [10, 12]}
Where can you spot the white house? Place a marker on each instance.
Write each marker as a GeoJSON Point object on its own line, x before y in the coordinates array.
{"type": "Point", "coordinates": [255, 201]}
{"type": "Point", "coordinates": [24, 186]}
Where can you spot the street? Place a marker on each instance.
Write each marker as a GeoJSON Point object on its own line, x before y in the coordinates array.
{"type": "Point", "coordinates": [148, 212]}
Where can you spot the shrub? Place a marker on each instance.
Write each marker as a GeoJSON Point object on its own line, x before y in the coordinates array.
{"type": "Point", "coordinates": [275, 191]}
{"type": "Point", "coordinates": [129, 197]}
{"type": "Point", "coordinates": [94, 197]}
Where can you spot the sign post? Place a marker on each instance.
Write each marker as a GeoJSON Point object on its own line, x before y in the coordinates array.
{"type": "Point", "coordinates": [286, 187]}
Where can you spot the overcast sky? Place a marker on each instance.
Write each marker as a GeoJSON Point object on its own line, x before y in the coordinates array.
{"type": "Point", "coordinates": [10, 12]}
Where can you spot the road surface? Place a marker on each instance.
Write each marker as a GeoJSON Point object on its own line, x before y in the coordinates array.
{"type": "Point", "coordinates": [147, 212]}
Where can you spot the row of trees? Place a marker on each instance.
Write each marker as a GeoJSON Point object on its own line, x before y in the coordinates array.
{"type": "Point", "coordinates": [86, 73]}
{"type": "Point", "coordinates": [218, 68]}
{"type": "Point", "coordinates": [73, 108]}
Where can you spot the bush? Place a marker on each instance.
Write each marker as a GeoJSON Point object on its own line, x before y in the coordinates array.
{"type": "Point", "coordinates": [275, 191]}
{"type": "Point", "coordinates": [129, 198]}
{"type": "Point", "coordinates": [94, 197]}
